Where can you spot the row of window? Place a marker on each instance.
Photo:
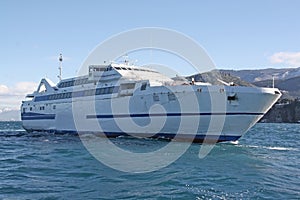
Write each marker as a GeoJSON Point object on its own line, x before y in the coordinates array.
{"type": "Point", "coordinates": [67, 95]}
{"type": "Point", "coordinates": [41, 108]}
{"type": "Point", "coordinates": [119, 68]}
{"type": "Point", "coordinates": [135, 69]}
{"type": "Point", "coordinates": [100, 69]}
{"type": "Point", "coordinates": [73, 83]}
{"type": "Point", "coordinates": [171, 97]}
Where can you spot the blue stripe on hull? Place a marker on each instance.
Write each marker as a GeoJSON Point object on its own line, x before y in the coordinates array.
{"type": "Point", "coordinates": [36, 116]}
{"type": "Point", "coordinates": [167, 114]}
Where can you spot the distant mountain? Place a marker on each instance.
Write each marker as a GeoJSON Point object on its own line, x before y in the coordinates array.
{"type": "Point", "coordinates": [264, 74]}
{"type": "Point", "coordinates": [218, 78]}
{"type": "Point", "coordinates": [11, 115]}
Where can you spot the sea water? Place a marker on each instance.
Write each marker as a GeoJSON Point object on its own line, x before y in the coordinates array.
{"type": "Point", "coordinates": [264, 164]}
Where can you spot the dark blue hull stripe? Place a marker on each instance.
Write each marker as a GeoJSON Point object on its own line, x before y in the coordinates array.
{"type": "Point", "coordinates": [198, 138]}
{"type": "Point", "coordinates": [168, 115]}
{"type": "Point", "coordinates": [36, 116]}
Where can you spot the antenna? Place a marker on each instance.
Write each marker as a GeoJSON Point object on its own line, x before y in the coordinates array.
{"type": "Point", "coordinates": [60, 59]}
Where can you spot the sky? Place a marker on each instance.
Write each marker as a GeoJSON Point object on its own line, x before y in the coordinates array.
{"type": "Point", "coordinates": [248, 34]}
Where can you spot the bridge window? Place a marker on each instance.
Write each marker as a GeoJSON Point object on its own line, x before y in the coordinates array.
{"type": "Point", "coordinates": [144, 85]}
{"type": "Point", "coordinates": [110, 90]}
{"type": "Point", "coordinates": [126, 86]}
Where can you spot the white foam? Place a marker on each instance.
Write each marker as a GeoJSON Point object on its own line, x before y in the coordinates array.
{"type": "Point", "coordinates": [281, 148]}
{"type": "Point", "coordinates": [234, 142]}
{"type": "Point", "coordinates": [272, 148]}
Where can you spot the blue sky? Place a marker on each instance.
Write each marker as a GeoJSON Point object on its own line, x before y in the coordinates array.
{"type": "Point", "coordinates": [236, 34]}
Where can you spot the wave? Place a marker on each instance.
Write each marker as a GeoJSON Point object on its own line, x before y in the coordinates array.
{"type": "Point", "coordinates": [271, 147]}
{"type": "Point", "coordinates": [282, 148]}
{"type": "Point", "coordinates": [12, 130]}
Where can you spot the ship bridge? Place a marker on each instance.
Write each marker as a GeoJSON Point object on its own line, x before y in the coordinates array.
{"type": "Point", "coordinates": [128, 72]}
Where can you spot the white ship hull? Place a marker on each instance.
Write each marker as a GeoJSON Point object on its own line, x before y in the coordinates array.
{"type": "Point", "coordinates": [196, 113]}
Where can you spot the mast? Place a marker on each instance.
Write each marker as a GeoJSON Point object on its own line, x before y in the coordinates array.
{"type": "Point", "coordinates": [60, 59]}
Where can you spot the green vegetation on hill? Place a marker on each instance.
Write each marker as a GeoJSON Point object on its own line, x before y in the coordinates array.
{"type": "Point", "coordinates": [285, 111]}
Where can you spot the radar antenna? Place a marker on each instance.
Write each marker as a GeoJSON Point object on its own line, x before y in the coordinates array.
{"type": "Point", "coordinates": [60, 59]}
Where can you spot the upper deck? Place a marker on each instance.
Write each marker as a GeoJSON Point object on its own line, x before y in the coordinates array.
{"type": "Point", "coordinates": [113, 72]}
{"type": "Point", "coordinates": [101, 79]}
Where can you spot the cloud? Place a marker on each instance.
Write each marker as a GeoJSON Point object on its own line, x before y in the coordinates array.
{"type": "Point", "coordinates": [12, 96]}
{"type": "Point", "coordinates": [5, 110]}
{"type": "Point", "coordinates": [22, 88]}
{"type": "Point", "coordinates": [286, 58]}
{"type": "Point", "coordinates": [3, 89]}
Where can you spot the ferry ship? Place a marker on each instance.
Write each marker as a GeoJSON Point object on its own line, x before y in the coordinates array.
{"type": "Point", "coordinates": [128, 100]}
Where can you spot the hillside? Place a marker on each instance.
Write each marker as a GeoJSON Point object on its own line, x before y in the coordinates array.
{"type": "Point", "coordinates": [215, 76]}
{"type": "Point", "coordinates": [284, 112]}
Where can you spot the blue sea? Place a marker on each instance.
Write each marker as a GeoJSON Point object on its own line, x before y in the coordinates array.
{"type": "Point", "coordinates": [264, 164]}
